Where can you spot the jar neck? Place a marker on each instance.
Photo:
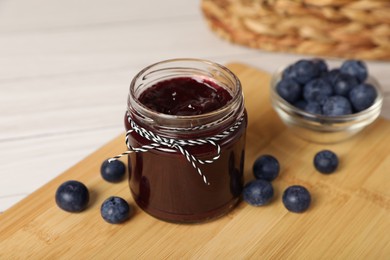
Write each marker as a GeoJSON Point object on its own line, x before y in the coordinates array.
{"type": "Point", "coordinates": [186, 126]}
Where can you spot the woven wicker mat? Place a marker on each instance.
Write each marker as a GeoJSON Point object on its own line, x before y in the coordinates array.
{"type": "Point", "coordinates": [338, 28]}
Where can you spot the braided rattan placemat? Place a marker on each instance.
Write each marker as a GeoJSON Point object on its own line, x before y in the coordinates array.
{"type": "Point", "coordinates": [339, 28]}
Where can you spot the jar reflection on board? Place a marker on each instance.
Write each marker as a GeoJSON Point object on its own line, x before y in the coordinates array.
{"type": "Point", "coordinates": [186, 124]}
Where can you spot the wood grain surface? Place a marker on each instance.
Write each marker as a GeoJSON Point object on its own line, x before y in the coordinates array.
{"type": "Point", "coordinates": [349, 217]}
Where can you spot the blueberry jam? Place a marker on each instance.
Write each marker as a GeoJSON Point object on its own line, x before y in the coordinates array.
{"type": "Point", "coordinates": [162, 181]}
{"type": "Point", "coordinates": [185, 96]}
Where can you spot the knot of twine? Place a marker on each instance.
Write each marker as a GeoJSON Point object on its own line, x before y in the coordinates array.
{"type": "Point", "coordinates": [178, 144]}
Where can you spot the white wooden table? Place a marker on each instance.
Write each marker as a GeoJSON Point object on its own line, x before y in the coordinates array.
{"type": "Point", "coordinates": [65, 68]}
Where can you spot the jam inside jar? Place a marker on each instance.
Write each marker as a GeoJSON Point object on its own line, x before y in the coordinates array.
{"type": "Point", "coordinates": [197, 105]}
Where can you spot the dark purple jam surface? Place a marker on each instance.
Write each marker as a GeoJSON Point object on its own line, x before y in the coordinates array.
{"type": "Point", "coordinates": [185, 96]}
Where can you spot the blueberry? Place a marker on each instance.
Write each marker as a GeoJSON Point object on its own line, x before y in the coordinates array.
{"type": "Point", "coordinates": [321, 65]}
{"type": "Point", "coordinates": [289, 90]}
{"type": "Point", "coordinates": [303, 71]}
{"type": "Point", "coordinates": [331, 75]}
{"type": "Point", "coordinates": [115, 210]}
{"type": "Point", "coordinates": [296, 198]}
{"type": "Point", "coordinates": [343, 83]}
{"type": "Point", "coordinates": [301, 104]}
{"type": "Point", "coordinates": [289, 73]}
{"type": "Point", "coordinates": [313, 108]}
{"type": "Point", "coordinates": [113, 171]}
{"type": "Point", "coordinates": [72, 196]}
{"type": "Point", "coordinates": [336, 106]}
{"type": "Point", "coordinates": [266, 167]}
{"type": "Point", "coordinates": [258, 192]}
{"type": "Point", "coordinates": [362, 96]}
{"type": "Point", "coordinates": [317, 90]}
{"type": "Point", "coordinates": [355, 68]}
{"type": "Point", "coordinates": [326, 161]}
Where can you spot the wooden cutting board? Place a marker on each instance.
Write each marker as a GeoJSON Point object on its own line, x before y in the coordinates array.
{"type": "Point", "coordinates": [349, 217]}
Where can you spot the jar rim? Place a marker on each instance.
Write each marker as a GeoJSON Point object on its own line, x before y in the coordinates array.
{"type": "Point", "coordinates": [182, 65]}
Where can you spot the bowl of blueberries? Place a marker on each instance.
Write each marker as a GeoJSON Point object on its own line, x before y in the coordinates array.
{"type": "Point", "coordinates": [326, 105]}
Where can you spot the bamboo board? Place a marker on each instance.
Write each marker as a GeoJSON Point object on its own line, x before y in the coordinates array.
{"type": "Point", "coordinates": [349, 217]}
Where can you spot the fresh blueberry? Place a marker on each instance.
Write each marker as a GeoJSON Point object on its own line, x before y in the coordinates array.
{"type": "Point", "coordinates": [289, 73]}
{"type": "Point", "coordinates": [362, 96]}
{"type": "Point", "coordinates": [343, 83]}
{"type": "Point", "coordinates": [305, 71]}
{"type": "Point", "coordinates": [317, 90]}
{"type": "Point", "coordinates": [301, 104]}
{"type": "Point", "coordinates": [296, 198]}
{"type": "Point", "coordinates": [113, 171]}
{"type": "Point", "coordinates": [72, 196]}
{"type": "Point", "coordinates": [266, 167]}
{"type": "Point", "coordinates": [331, 75]}
{"type": "Point", "coordinates": [336, 106]}
{"type": "Point", "coordinates": [115, 210]}
{"type": "Point", "coordinates": [321, 65]}
{"type": "Point", "coordinates": [289, 90]}
{"type": "Point", "coordinates": [326, 161]}
{"type": "Point", "coordinates": [313, 108]}
{"type": "Point", "coordinates": [355, 68]}
{"type": "Point", "coordinates": [258, 192]}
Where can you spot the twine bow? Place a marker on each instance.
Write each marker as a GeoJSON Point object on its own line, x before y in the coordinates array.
{"type": "Point", "coordinates": [157, 141]}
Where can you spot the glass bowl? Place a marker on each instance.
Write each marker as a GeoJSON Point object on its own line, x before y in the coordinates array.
{"type": "Point", "coordinates": [320, 128]}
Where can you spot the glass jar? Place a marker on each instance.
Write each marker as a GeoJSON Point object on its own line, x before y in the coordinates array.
{"type": "Point", "coordinates": [186, 168]}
